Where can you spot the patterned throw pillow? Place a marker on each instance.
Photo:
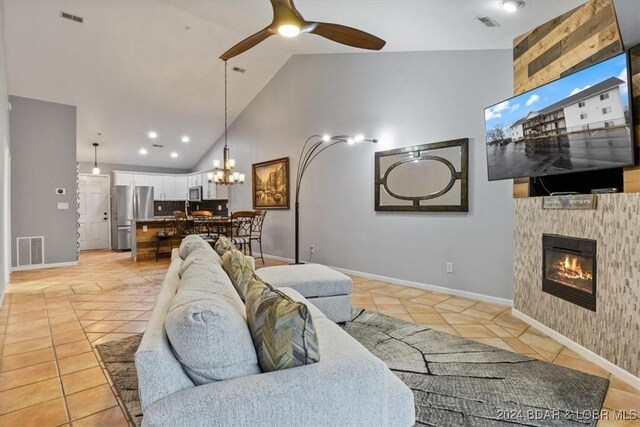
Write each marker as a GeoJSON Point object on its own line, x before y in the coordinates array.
{"type": "Point", "coordinates": [239, 270]}
{"type": "Point", "coordinates": [223, 245]}
{"type": "Point", "coordinates": [282, 329]}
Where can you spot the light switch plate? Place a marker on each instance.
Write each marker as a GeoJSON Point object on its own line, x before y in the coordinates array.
{"type": "Point", "coordinates": [63, 205]}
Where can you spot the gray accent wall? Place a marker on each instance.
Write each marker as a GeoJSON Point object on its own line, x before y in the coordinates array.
{"type": "Point", "coordinates": [5, 159]}
{"type": "Point", "coordinates": [404, 99]}
{"type": "Point", "coordinates": [107, 168]}
{"type": "Point", "coordinates": [43, 157]}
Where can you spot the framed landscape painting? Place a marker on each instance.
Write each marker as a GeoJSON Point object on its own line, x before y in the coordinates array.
{"type": "Point", "coordinates": [271, 184]}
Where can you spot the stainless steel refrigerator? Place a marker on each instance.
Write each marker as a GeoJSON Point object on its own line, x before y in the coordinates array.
{"type": "Point", "coordinates": [128, 204]}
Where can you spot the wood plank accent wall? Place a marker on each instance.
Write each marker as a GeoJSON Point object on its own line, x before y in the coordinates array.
{"type": "Point", "coordinates": [581, 37]}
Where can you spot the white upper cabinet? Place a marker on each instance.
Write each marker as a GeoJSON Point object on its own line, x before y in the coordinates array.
{"type": "Point", "coordinates": [141, 180]}
{"type": "Point", "coordinates": [168, 187]}
{"type": "Point", "coordinates": [169, 182]}
{"type": "Point", "coordinates": [181, 187]}
{"type": "Point", "coordinates": [122, 178]}
{"type": "Point", "coordinates": [157, 182]}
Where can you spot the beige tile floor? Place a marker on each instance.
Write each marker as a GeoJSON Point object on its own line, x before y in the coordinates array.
{"type": "Point", "coordinates": [50, 321]}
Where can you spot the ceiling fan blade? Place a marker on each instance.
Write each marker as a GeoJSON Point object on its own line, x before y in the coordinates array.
{"type": "Point", "coordinates": [347, 35]}
{"type": "Point", "coordinates": [247, 44]}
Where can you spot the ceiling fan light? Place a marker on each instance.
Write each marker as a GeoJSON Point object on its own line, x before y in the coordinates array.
{"type": "Point", "coordinates": [96, 170]}
{"type": "Point", "coordinates": [288, 30]}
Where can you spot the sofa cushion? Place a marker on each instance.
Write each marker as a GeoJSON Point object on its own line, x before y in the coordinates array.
{"type": "Point", "coordinates": [207, 329]}
{"type": "Point", "coordinates": [239, 269]}
{"type": "Point", "coordinates": [282, 329]}
{"type": "Point", "coordinates": [223, 245]}
{"type": "Point", "coordinates": [191, 243]}
{"type": "Point", "coordinates": [200, 256]}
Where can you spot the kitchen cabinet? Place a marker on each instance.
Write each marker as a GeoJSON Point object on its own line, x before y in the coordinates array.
{"type": "Point", "coordinates": [181, 187]}
{"type": "Point", "coordinates": [122, 178]}
{"type": "Point", "coordinates": [141, 180]}
{"type": "Point", "coordinates": [169, 183]}
{"type": "Point", "coordinates": [208, 188]}
{"type": "Point", "coordinates": [157, 182]}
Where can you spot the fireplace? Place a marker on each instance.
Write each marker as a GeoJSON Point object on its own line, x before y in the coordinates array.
{"type": "Point", "coordinates": [569, 269]}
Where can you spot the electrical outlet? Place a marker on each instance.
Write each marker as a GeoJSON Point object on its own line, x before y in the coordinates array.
{"type": "Point", "coordinates": [144, 228]}
{"type": "Point", "coordinates": [159, 208]}
{"type": "Point", "coordinates": [449, 267]}
{"type": "Point", "coordinates": [312, 248]}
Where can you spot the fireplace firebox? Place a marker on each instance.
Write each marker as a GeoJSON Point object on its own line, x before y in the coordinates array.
{"type": "Point", "coordinates": [569, 269]}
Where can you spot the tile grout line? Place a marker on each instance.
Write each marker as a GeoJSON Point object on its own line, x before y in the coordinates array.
{"type": "Point", "coordinates": [55, 356]}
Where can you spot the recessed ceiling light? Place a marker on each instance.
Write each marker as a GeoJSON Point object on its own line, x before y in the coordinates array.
{"type": "Point", "coordinates": [174, 154]}
{"type": "Point", "coordinates": [143, 151]}
{"type": "Point", "coordinates": [512, 6]}
{"type": "Point", "coordinates": [185, 139]}
{"type": "Point", "coordinates": [152, 134]}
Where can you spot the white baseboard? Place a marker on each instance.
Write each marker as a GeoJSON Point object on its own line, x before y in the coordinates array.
{"type": "Point", "coordinates": [41, 266]}
{"type": "Point", "coordinates": [627, 377]}
{"type": "Point", "coordinates": [449, 291]}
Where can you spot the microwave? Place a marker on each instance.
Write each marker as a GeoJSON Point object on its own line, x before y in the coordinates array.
{"type": "Point", "coordinates": [195, 194]}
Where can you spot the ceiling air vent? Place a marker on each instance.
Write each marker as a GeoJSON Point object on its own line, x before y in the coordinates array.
{"type": "Point", "coordinates": [71, 17]}
{"type": "Point", "coordinates": [158, 145]}
{"type": "Point", "coordinates": [239, 70]}
{"type": "Point", "coordinates": [489, 22]}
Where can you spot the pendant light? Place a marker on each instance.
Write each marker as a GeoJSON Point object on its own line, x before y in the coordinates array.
{"type": "Point", "coordinates": [223, 173]}
{"type": "Point", "coordinates": [96, 169]}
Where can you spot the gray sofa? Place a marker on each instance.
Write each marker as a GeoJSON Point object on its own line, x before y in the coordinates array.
{"type": "Point", "coordinates": [348, 387]}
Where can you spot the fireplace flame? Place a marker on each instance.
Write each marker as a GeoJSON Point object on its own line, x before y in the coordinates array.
{"type": "Point", "coordinates": [570, 268]}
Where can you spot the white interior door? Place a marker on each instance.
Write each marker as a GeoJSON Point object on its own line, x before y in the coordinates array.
{"type": "Point", "coordinates": [94, 212]}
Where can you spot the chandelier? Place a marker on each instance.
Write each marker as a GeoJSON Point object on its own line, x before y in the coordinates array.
{"type": "Point", "coordinates": [223, 173]}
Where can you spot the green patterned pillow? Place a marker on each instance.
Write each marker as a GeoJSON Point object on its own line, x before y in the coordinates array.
{"type": "Point", "coordinates": [239, 270]}
{"type": "Point", "coordinates": [223, 245]}
{"type": "Point", "coordinates": [282, 330]}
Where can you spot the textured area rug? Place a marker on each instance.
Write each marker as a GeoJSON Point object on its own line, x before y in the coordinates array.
{"type": "Point", "coordinates": [455, 381]}
{"type": "Point", "coordinates": [117, 357]}
{"type": "Point", "coordinates": [458, 382]}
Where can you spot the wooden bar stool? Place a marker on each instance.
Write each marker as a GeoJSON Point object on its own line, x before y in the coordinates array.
{"type": "Point", "coordinates": [166, 235]}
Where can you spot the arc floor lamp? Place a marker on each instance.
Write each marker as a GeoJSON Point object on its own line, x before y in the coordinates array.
{"type": "Point", "coordinates": [315, 145]}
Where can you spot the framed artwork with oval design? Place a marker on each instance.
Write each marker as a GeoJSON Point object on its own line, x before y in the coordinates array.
{"type": "Point", "coordinates": [428, 177]}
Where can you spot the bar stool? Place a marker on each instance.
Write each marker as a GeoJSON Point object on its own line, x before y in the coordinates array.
{"type": "Point", "coordinates": [167, 234]}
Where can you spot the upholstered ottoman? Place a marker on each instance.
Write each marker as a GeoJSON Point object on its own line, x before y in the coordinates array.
{"type": "Point", "coordinates": [327, 289]}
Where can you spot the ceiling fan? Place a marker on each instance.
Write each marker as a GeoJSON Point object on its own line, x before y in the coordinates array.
{"type": "Point", "coordinates": [288, 22]}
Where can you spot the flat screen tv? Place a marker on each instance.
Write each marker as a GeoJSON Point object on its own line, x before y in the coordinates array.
{"type": "Point", "coordinates": [579, 122]}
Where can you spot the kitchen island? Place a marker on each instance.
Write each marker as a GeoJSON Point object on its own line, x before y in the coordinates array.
{"type": "Point", "coordinates": [144, 241]}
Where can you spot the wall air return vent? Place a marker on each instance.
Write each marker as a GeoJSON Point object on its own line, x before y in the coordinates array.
{"type": "Point", "coordinates": [30, 250]}
{"type": "Point", "coordinates": [489, 22]}
{"type": "Point", "coordinates": [71, 17]}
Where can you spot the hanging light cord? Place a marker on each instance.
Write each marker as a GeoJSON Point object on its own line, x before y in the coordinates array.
{"type": "Point", "coordinates": [225, 103]}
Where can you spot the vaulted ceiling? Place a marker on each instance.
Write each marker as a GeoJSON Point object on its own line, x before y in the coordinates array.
{"type": "Point", "coordinates": [138, 65]}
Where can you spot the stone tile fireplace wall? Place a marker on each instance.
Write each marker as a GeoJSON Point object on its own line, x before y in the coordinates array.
{"type": "Point", "coordinates": [613, 331]}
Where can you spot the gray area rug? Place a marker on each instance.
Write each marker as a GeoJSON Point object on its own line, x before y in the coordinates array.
{"type": "Point", "coordinates": [455, 381]}
{"type": "Point", "coordinates": [459, 382]}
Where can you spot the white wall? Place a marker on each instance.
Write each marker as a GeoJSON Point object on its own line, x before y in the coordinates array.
{"type": "Point", "coordinates": [5, 171]}
{"type": "Point", "coordinates": [405, 99]}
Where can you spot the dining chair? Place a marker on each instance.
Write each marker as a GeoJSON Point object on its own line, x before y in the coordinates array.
{"type": "Point", "coordinates": [241, 227]}
{"type": "Point", "coordinates": [256, 231]}
{"type": "Point", "coordinates": [182, 223]}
